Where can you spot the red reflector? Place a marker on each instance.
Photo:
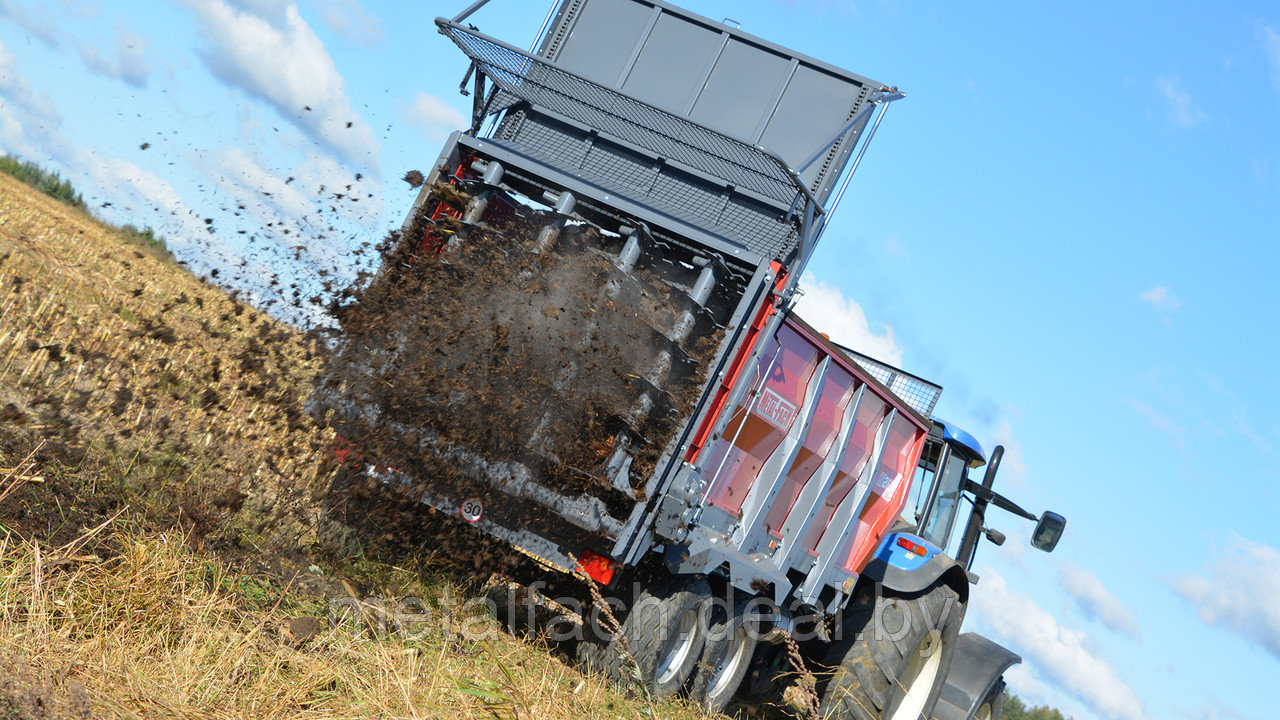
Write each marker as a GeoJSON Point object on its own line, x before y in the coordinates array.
{"type": "Point", "coordinates": [597, 567]}
{"type": "Point", "coordinates": [906, 544]}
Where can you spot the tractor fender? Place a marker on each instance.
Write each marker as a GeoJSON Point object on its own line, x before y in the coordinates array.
{"type": "Point", "coordinates": [900, 569]}
{"type": "Point", "coordinates": [976, 669]}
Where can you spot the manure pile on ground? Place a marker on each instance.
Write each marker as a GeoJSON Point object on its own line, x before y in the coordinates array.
{"type": "Point", "coordinates": [537, 357]}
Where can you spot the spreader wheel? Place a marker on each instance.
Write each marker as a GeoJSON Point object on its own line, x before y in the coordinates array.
{"type": "Point", "coordinates": [664, 632]}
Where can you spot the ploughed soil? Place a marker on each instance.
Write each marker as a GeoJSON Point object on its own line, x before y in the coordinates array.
{"type": "Point", "coordinates": [506, 356]}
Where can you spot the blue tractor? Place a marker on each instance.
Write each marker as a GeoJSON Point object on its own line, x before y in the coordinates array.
{"type": "Point", "coordinates": [915, 555]}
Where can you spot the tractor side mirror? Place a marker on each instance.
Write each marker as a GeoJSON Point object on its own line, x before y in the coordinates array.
{"type": "Point", "coordinates": [1048, 531]}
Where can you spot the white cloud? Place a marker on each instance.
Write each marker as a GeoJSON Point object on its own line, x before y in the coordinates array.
{"type": "Point", "coordinates": [38, 21]}
{"type": "Point", "coordinates": [134, 191]}
{"type": "Point", "coordinates": [1059, 653]}
{"type": "Point", "coordinates": [1027, 685]}
{"type": "Point", "coordinates": [30, 126]}
{"type": "Point", "coordinates": [1238, 592]}
{"type": "Point", "coordinates": [894, 248]}
{"type": "Point", "coordinates": [1239, 419]}
{"type": "Point", "coordinates": [306, 221]}
{"type": "Point", "coordinates": [266, 49]}
{"type": "Point", "coordinates": [1013, 466]}
{"type": "Point", "coordinates": [1160, 297]}
{"type": "Point", "coordinates": [843, 320]}
{"type": "Point", "coordinates": [128, 64]}
{"type": "Point", "coordinates": [28, 121]}
{"type": "Point", "coordinates": [83, 9]}
{"type": "Point", "coordinates": [351, 21]}
{"type": "Point", "coordinates": [435, 116]}
{"type": "Point", "coordinates": [275, 189]}
{"type": "Point", "coordinates": [1183, 112]}
{"type": "Point", "coordinates": [274, 11]}
{"type": "Point", "coordinates": [1095, 601]}
{"type": "Point", "coordinates": [1271, 46]}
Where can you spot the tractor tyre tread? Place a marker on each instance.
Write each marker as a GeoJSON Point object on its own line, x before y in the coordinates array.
{"type": "Point", "coordinates": [867, 665]}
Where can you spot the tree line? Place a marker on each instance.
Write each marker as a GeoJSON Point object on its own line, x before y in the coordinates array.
{"type": "Point", "coordinates": [1015, 709]}
{"type": "Point", "coordinates": [52, 184]}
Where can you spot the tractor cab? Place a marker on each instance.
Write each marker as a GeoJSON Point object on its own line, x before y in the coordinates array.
{"type": "Point", "coordinates": [942, 477]}
{"type": "Point", "coordinates": [948, 456]}
{"type": "Point", "coordinates": [942, 481]}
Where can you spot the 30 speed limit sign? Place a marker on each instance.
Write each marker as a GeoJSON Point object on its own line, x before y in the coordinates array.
{"type": "Point", "coordinates": [471, 509]}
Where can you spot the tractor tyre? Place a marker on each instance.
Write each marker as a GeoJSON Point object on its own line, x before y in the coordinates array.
{"type": "Point", "coordinates": [663, 632]}
{"type": "Point", "coordinates": [892, 660]}
{"type": "Point", "coordinates": [726, 655]}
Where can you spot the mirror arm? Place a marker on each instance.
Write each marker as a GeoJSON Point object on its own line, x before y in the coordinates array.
{"type": "Point", "coordinates": [998, 500]}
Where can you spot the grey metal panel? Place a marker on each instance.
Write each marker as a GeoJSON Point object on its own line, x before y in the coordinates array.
{"type": "Point", "coordinates": [557, 113]}
{"type": "Point", "coordinates": [603, 27]}
{"type": "Point", "coordinates": [766, 118]}
{"type": "Point", "coordinates": [752, 91]}
{"type": "Point", "coordinates": [739, 92]}
{"type": "Point", "coordinates": [815, 104]}
{"type": "Point", "coordinates": [670, 63]}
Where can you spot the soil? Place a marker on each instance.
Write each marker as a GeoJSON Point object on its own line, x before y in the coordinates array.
{"type": "Point", "coordinates": [29, 694]}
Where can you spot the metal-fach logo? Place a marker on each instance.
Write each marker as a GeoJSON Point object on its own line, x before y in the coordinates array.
{"type": "Point", "coordinates": [514, 607]}
{"type": "Point", "coordinates": [776, 409]}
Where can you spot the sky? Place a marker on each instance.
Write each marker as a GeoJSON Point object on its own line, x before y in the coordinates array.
{"type": "Point", "coordinates": [1071, 223]}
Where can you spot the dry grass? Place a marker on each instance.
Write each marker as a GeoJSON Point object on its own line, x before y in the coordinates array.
{"type": "Point", "coordinates": [158, 522]}
{"type": "Point", "coordinates": [157, 388]}
{"type": "Point", "coordinates": [156, 630]}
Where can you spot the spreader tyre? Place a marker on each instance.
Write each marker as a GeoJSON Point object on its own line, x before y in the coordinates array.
{"type": "Point", "coordinates": [664, 631]}
{"type": "Point", "coordinates": [892, 661]}
{"type": "Point", "coordinates": [726, 655]}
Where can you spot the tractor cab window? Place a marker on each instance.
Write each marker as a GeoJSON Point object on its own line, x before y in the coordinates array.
{"type": "Point", "coordinates": [949, 487]}
{"type": "Point", "coordinates": [922, 483]}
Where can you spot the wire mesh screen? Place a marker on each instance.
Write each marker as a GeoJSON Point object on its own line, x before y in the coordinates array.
{"type": "Point", "coordinates": [919, 394]}
{"type": "Point", "coordinates": [613, 113]}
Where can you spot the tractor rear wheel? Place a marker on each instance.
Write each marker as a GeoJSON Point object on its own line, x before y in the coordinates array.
{"type": "Point", "coordinates": [892, 661]}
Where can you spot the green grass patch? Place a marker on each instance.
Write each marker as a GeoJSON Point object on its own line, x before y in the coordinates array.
{"type": "Point", "coordinates": [46, 181]}
{"type": "Point", "coordinates": [50, 183]}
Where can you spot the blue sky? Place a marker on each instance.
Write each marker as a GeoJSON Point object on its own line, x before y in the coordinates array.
{"type": "Point", "coordinates": [1072, 223]}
